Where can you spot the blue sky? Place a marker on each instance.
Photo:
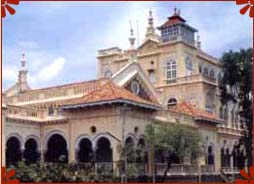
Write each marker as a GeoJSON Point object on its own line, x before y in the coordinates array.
{"type": "Point", "coordinates": [61, 39]}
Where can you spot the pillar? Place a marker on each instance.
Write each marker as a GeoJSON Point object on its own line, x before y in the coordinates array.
{"type": "Point", "coordinates": [71, 147]}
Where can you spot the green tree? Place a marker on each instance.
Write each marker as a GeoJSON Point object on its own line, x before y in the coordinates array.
{"type": "Point", "coordinates": [236, 87]}
{"type": "Point", "coordinates": [175, 140]}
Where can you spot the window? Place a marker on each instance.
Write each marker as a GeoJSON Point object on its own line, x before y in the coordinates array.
{"type": "Point", "coordinates": [50, 111]}
{"type": "Point", "coordinates": [209, 102]}
{"type": "Point", "coordinates": [221, 112]}
{"type": "Point", "coordinates": [171, 102]}
{"type": "Point", "coordinates": [212, 74]}
{"type": "Point", "coordinates": [135, 88]}
{"type": "Point", "coordinates": [205, 71]}
{"type": "Point", "coordinates": [219, 79]}
{"type": "Point", "coordinates": [232, 116]}
{"type": "Point", "coordinates": [209, 109]}
{"type": "Point", "coordinates": [188, 64]}
{"type": "Point", "coordinates": [151, 75]}
{"type": "Point", "coordinates": [171, 70]}
{"type": "Point", "coordinates": [226, 113]}
{"type": "Point", "coordinates": [108, 73]}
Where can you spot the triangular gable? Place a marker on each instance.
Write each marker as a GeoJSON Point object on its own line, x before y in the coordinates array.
{"type": "Point", "coordinates": [133, 72]}
{"type": "Point", "coordinates": [148, 44]}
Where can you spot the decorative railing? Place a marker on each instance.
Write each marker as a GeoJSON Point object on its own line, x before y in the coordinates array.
{"type": "Point", "coordinates": [228, 170]}
{"type": "Point", "coordinates": [192, 78]}
{"type": "Point", "coordinates": [181, 169]}
{"type": "Point", "coordinates": [33, 114]}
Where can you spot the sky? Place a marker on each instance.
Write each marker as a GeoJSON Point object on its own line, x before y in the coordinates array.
{"type": "Point", "coordinates": [61, 39]}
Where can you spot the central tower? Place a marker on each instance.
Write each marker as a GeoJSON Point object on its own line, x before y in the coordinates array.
{"type": "Point", "coordinates": [176, 29]}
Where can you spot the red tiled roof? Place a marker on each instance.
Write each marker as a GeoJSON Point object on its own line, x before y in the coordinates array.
{"type": "Point", "coordinates": [110, 92]}
{"type": "Point", "coordinates": [191, 110]}
{"type": "Point", "coordinates": [174, 19]}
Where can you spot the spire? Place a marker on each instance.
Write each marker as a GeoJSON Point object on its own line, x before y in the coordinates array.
{"type": "Point", "coordinates": [132, 38]}
{"type": "Point", "coordinates": [150, 19]}
{"type": "Point", "coordinates": [150, 32]}
{"type": "Point", "coordinates": [22, 77]}
{"type": "Point", "coordinates": [23, 62]}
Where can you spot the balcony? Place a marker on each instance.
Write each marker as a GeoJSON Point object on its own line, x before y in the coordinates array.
{"type": "Point", "coordinates": [192, 78]}
{"type": "Point", "coordinates": [36, 115]}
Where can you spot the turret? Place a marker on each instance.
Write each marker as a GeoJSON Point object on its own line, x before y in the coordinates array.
{"type": "Point", "coordinates": [176, 29]}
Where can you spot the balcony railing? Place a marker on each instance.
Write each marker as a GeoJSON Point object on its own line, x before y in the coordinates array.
{"type": "Point", "coordinates": [33, 114]}
{"type": "Point", "coordinates": [228, 170]}
{"type": "Point", "coordinates": [181, 169]}
{"type": "Point", "coordinates": [192, 78]}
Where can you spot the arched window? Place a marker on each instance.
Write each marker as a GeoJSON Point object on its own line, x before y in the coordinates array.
{"type": "Point", "coordinates": [219, 79]}
{"type": "Point", "coordinates": [233, 117]}
{"type": "Point", "coordinates": [209, 103]}
{"type": "Point", "coordinates": [210, 155]}
{"type": "Point", "coordinates": [189, 67]}
{"type": "Point", "coordinates": [51, 111]}
{"type": "Point", "coordinates": [171, 69]}
{"type": "Point", "coordinates": [236, 119]}
{"type": "Point", "coordinates": [171, 102]}
{"type": "Point", "coordinates": [221, 113]}
{"type": "Point", "coordinates": [226, 114]}
{"type": "Point", "coordinates": [205, 71]}
{"type": "Point", "coordinates": [212, 75]}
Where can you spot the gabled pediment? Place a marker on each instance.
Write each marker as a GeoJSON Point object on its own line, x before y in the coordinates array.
{"type": "Point", "coordinates": [148, 45]}
{"type": "Point", "coordinates": [131, 77]}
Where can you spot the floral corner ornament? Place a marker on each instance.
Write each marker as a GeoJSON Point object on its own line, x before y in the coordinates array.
{"type": "Point", "coordinates": [249, 5]}
{"type": "Point", "coordinates": [6, 6]}
{"type": "Point", "coordinates": [249, 179]}
{"type": "Point", "coordinates": [7, 176]}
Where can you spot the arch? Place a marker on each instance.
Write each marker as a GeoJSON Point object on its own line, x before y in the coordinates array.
{"type": "Point", "coordinates": [56, 149]}
{"type": "Point", "coordinates": [131, 135]}
{"type": "Point", "coordinates": [35, 138]}
{"type": "Point", "coordinates": [171, 102]}
{"type": "Point", "coordinates": [79, 138]}
{"type": "Point", "coordinates": [100, 135]}
{"type": "Point", "coordinates": [13, 150]}
{"type": "Point", "coordinates": [47, 137]}
{"type": "Point", "coordinates": [85, 151]}
{"type": "Point", "coordinates": [142, 142]}
{"type": "Point", "coordinates": [103, 151]}
{"type": "Point", "coordinates": [31, 154]}
{"type": "Point", "coordinates": [19, 137]}
{"type": "Point", "coordinates": [210, 155]}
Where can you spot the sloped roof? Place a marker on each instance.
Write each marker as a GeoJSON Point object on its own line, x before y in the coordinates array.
{"type": "Point", "coordinates": [174, 19]}
{"type": "Point", "coordinates": [107, 94]}
{"type": "Point", "coordinates": [191, 110]}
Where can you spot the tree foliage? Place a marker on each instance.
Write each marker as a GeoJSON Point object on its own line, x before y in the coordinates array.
{"type": "Point", "coordinates": [236, 87]}
{"type": "Point", "coordinates": [174, 140]}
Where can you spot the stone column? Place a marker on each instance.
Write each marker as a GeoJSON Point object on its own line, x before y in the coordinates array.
{"type": "Point", "coordinates": [115, 156]}
{"type": "Point", "coordinates": [71, 148]}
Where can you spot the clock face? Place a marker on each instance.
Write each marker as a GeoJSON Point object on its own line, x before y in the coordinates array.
{"type": "Point", "coordinates": [108, 73]}
{"type": "Point", "coordinates": [135, 87]}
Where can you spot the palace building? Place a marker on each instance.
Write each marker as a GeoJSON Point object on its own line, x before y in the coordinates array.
{"type": "Point", "coordinates": [168, 79]}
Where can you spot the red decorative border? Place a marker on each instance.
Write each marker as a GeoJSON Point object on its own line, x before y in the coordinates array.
{"type": "Point", "coordinates": [5, 5]}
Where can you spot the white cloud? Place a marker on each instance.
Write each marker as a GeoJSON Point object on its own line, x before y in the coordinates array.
{"type": "Point", "coordinates": [48, 72]}
{"type": "Point", "coordinates": [9, 73]}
